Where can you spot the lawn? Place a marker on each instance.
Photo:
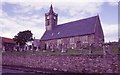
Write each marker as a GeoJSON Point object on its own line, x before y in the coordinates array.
{"type": "Point", "coordinates": [95, 51]}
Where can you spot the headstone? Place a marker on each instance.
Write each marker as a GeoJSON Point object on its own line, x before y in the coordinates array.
{"type": "Point", "coordinates": [52, 47]}
{"type": "Point", "coordinates": [109, 49]}
{"type": "Point", "coordinates": [63, 48]}
{"type": "Point", "coordinates": [27, 48]}
{"type": "Point", "coordinates": [104, 50]}
{"type": "Point", "coordinates": [90, 50]}
{"type": "Point", "coordinates": [3, 48]}
{"type": "Point", "coordinates": [44, 50]}
{"type": "Point", "coordinates": [37, 48]}
{"type": "Point", "coordinates": [14, 48]}
{"type": "Point", "coordinates": [55, 69]}
{"type": "Point", "coordinates": [60, 46]}
{"type": "Point", "coordinates": [81, 50]}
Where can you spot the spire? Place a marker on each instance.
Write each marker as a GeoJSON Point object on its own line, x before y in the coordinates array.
{"type": "Point", "coordinates": [51, 9]}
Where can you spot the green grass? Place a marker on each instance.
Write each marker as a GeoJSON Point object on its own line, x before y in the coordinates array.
{"type": "Point", "coordinates": [95, 51]}
{"type": "Point", "coordinates": [115, 49]}
{"type": "Point", "coordinates": [48, 52]}
{"type": "Point", "coordinates": [57, 52]}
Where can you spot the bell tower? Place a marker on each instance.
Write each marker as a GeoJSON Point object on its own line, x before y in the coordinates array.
{"type": "Point", "coordinates": [50, 19]}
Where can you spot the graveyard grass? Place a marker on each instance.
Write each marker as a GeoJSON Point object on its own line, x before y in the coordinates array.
{"type": "Point", "coordinates": [95, 51]}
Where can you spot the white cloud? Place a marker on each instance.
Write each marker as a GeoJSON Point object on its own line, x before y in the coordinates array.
{"type": "Point", "coordinates": [75, 9]}
{"type": "Point", "coordinates": [110, 32]}
{"type": "Point", "coordinates": [12, 25]}
{"type": "Point", "coordinates": [23, 8]}
{"type": "Point", "coordinates": [113, 3]}
{"type": "Point", "coordinates": [59, 1]}
{"type": "Point", "coordinates": [8, 27]}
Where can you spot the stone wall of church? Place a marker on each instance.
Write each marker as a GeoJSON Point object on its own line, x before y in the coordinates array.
{"type": "Point", "coordinates": [69, 42]}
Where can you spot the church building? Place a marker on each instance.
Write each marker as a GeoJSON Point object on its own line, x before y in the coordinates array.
{"type": "Point", "coordinates": [75, 34]}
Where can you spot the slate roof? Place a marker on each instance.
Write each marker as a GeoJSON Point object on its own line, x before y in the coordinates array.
{"type": "Point", "coordinates": [75, 28]}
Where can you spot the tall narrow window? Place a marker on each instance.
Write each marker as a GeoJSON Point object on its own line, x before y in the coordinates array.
{"type": "Point", "coordinates": [85, 39]}
{"type": "Point", "coordinates": [71, 40]}
{"type": "Point", "coordinates": [59, 42]}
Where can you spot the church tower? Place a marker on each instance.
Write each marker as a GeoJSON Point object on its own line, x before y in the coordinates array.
{"type": "Point", "coordinates": [50, 19]}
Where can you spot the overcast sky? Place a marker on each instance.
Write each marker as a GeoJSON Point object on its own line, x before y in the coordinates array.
{"type": "Point", "coordinates": [20, 15]}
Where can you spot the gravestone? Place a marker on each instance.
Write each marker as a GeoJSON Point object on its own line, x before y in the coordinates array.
{"type": "Point", "coordinates": [90, 50]}
{"type": "Point", "coordinates": [109, 49]}
{"type": "Point", "coordinates": [104, 50]}
{"type": "Point", "coordinates": [63, 48]}
{"type": "Point", "coordinates": [44, 50]}
{"type": "Point", "coordinates": [37, 48]}
{"type": "Point", "coordinates": [52, 48]}
{"type": "Point", "coordinates": [81, 50]}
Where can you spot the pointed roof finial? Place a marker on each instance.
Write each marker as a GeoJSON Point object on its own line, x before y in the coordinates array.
{"type": "Point", "coordinates": [51, 9]}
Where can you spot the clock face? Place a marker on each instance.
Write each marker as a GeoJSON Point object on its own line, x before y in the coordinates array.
{"type": "Point", "coordinates": [54, 17]}
{"type": "Point", "coordinates": [47, 17]}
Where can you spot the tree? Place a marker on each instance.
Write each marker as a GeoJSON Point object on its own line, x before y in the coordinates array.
{"type": "Point", "coordinates": [22, 37]}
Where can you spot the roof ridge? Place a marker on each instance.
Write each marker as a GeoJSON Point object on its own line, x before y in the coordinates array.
{"type": "Point", "coordinates": [74, 28]}
{"type": "Point", "coordinates": [77, 20]}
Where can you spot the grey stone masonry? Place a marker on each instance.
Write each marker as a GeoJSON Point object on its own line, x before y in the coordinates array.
{"type": "Point", "coordinates": [70, 63]}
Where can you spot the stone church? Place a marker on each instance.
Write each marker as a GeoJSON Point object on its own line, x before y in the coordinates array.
{"type": "Point", "coordinates": [75, 34]}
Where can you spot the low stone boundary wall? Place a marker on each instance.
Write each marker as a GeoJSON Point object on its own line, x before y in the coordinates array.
{"type": "Point", "coordinates": [67, 63]}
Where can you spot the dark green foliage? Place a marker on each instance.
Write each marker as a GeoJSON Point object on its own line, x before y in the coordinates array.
{"type": "Point", "coordinates": [22, 37]}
